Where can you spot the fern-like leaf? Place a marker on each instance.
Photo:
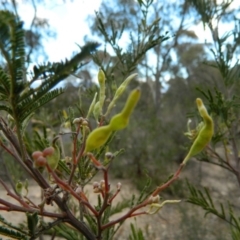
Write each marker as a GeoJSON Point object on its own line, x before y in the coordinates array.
{"type": "Point", "coordinates": [204, 200]}
{"type": "Point", "coordinates": [28, 106]}
{"type": "Point", "coordinates": [5, 83]}
{"type": "Point", "coordinates": [5, 231]}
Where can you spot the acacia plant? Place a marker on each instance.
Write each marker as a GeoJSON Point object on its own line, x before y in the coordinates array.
{"type": "Point", "coordinates": [62, 178]}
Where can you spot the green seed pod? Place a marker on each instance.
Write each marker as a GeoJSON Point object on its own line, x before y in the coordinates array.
{"type": "Point", "coordinates": [121, 120]}
{"type": "Point", "coordinates": [101, 80]}
{"type": "Point", "coordinates": [204, 135]}
{"type": "Point", "coordinates": [119, 92]}
{"type": "Point", "coordinates": [97, 138]}
{"type": "Point", "coordinates": [92, 106]}
{"type": "Point", "coordinates": [101, 77]}
{"type": "Point", "coordinates": [97, 110]}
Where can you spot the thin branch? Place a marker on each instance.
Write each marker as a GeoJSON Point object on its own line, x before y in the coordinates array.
{"type": "Point", "coordinates": [16, 197]}
{"type": "Point", "coordinates": [13, 207]}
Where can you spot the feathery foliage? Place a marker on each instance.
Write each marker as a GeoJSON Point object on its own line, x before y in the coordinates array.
{"type": "Point", "coordinates": [204, 200]}
{"type": "Point", "coordinates": [18, 93]}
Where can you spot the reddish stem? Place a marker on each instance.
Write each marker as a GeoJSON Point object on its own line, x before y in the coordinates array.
{"type": "Point", "coordinates": [169, 182]}
{"type": "Point", "coordinates": [69, 189]}
{"type": "Point", "coordinates": [33, 204]}
{"type": "Point", "coordinates": [16, 197]}
{"type": "Point", "coordinates": [112, 198]}
{"type": "Point", "coordinates": [76, 157]}
{"type": "Point", "coordinates": [12, 207]}
{"type": "Point", "coordinates": [132, 211]}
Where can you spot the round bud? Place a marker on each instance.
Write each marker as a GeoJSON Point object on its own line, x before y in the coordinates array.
{"type": "Point", "coordinates": [77, 121]}
{"type": "Point", "coordinates": [109, 155]}
{"type": "Point", "coordinates": [36, 155]}
{"type": "Point", "coordinates": [48, 151]}
{"type": "Point", "coordinates": [95, 185]}
{"type": "Point", "coordinates": [119, 185]}
{"type": "Point", "coordinates": [102, 184]}
{"type": "Point", "coordinates": [40, 162]}
{"type": "Point", "coordinates": [85, 123]}
{"type": "Point", "coordinates": [78, 190]}
{"type": "Point", "coordinates": [154, 199]}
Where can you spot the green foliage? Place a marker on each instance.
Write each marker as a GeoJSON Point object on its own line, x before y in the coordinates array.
{"type": "Point", "coordinates": [32, 221]}
{"type": "Point", "coordinates": [19, 96]}
{"type": "Point", "coordinates": [9, 230]}
{"type": "Point", "coordinates": [62, 230]}
{"type": "Point", "coordinates": [204, 200]}
{"type": "Point", "coordinates": [146, 38]}
{"type": "Point", "coordinates": [136, 234]}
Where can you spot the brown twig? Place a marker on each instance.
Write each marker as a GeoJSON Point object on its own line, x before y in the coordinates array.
{"type": "Point", "coordinates": [69, 189]}
{"type": "Point", "coordinates": [13, 207]}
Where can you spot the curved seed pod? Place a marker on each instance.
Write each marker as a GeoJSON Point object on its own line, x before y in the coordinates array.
{"type": "Point", "coordinates": [205, 133]}
{"type": "Point", "coordinates": [119, 92]}
{"type": "Point", "coordinates": [120, 120]}
{"type": "Point", "coordinates": [97, 138]}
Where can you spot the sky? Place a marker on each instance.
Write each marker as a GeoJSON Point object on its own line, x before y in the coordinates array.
{"type": "Point", "coordinates": [66, 19]}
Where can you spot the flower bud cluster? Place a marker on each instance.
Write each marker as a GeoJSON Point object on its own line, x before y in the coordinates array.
{"type": "Point", "coordinates": [40, 158]}
{"type": "Point", "coordinates": [154, 199]}
{"type": "Point", "coordinates": [80, 121]}
{"type": "Point", "coordinates": [99, 187]}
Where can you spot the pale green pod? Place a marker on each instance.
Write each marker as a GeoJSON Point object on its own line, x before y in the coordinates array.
{"type": "Point", "coordinates": [101, 77]}
{"type": "Point", "coordinates": [96, 110]}
{"type": "Point", "coordinates": [128, 80]}
{"type": "Point", "coordinates": [101, 80]}
{"type": "Point", "coordinates": [121, 120]}
{"type": "Point", "coordinates": [113, 102]}
{"type": "Point", "coordinates": [205, 133]}
{"type": "Point", "coordinates": [90, 110]}
{"type": "Point", "coordinates": [119, 92]}
{"type": "Point", "coordinates": [97, 138]}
